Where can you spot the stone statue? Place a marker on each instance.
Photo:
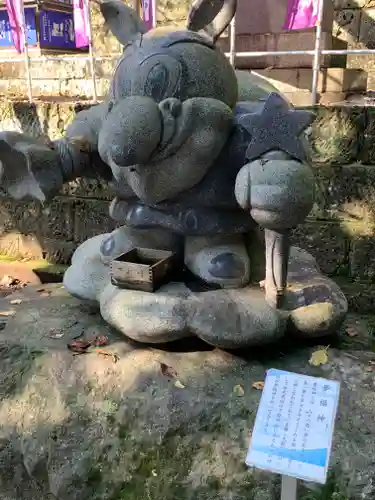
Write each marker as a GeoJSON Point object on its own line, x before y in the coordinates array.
{"type": "Point", "coordinates": [196, 170]}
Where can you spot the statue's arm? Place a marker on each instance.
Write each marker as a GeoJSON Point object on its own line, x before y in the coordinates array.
{"type": "Point", "coordinates": [37, 168]}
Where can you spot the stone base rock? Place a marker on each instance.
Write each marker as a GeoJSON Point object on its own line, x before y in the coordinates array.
{"type": "Point", "coordinates": [314, 306]}
{"type": "Point", "coordinates": [87, 428]}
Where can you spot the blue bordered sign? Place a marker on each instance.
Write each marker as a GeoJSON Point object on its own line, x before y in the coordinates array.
{"type": "Point", "coordinates": [294, 426]}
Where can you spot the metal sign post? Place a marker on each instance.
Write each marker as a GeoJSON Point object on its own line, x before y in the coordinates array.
{"type": "Point", "coordinates": [26, 53]}
{"type": "Point", "coordinates": [232, 47]}
{"type": "Point", "coordinates": [91, 51]}
{"type": "Point", "coordinates": [317, 53]}
{"type": "Point", "coordinates": [288, 488]}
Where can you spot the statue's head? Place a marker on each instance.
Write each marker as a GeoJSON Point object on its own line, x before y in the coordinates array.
{"type": "Point", "coordinates": [181, 64]}
{"type": "Point", "coordinates": [172, 94]}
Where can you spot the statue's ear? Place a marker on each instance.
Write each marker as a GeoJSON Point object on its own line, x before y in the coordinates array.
{"type": "Point", "coordinates": [123, 21]}
{"type": "Point", "coordinates": [211, 17]}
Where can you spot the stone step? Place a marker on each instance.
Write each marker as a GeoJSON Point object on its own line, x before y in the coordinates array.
{"type": "Point", "coordinates": [288, 80]}
{"type": "Point", "coordinates": [285, 41]}
{"type": "Point", "coordinates": [67, 87]}
{"type": "Point", "coordinates": [294, 83]}
{"type": "Point", "coordinates": [76, 68]}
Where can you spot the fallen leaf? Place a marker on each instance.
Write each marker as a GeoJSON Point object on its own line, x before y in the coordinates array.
{"type": "Point", "coordinates": [16, 302]}
{"type": "Point", "coordinates": [369, 369]}
{"type": "Point", "coordinates": [7, 313]}
{"type": "Point", "coordinates": [179, 384]}
{"type": "Point", "coordinates": [107, 354]}
{"type": "Point", "coordinates": [9, 281]}
{"type": "Point", "coordinates": [168, 371]}
{"type": "Point", "coordinates": [79, 346]}
{"type": "Point", "coordinates": [238, 390]}
{"type": "Point", "coordinates": [100, 341]}
{"type": "Point", "coordinates": [44, 293]}
{"type": "Point", "coordinates": [351, 331]}
{"type": "Point", "coordinates": [56, 335]}
{"type": "Point", "coordinates": [258, 385]}
{"type": "Point", "coordinates": [319, 357]}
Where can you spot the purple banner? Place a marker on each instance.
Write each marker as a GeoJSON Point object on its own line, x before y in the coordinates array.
{"type": "Point", "coordinates": [56, 30]}
{"type": "Point", "coordinates": [8, 33]}
{"type": "Point", "coordinates": [81, 23]}
{"type": "Point", "coordinates": [149, 13]}
{"type": "Point", "coordinates": [14, 8]}
{"type": "Point", "coordinates": [301, 14]}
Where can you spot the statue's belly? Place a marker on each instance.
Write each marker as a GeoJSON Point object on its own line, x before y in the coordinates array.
{"type": "Point", "coordinates": [208, 208]}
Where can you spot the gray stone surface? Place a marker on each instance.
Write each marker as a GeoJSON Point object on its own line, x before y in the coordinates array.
{"type": "Point", "coordinates": [84, 427]}
{"type": "Point", "coordinates": [276, 126]}
{"type": "Point", "coordinates": [222, 260]}
{"type": "Point", "coordinates": [313, 303]}
{"type": "Point", "coordinates": [236, 318]}
{"type": "Point", "coordinates": [147, 317]}
{"type": "Point", "coordinates": [278, 193]}
{"type": "Point", "coordinates": [316, 303]}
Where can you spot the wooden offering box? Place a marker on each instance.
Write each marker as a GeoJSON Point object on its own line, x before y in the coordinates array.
{"type": "Point", "coordinates": [143, 269]}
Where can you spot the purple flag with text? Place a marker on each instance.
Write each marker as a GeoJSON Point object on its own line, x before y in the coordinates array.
{"type": "Point", "coordinates": [149, 13]}
{"type": "Point", "coordinates": [301, 14]}
{"type": "Point", "coordinates": [14, 9]}
{"type": "Point", "coordinates": [81, 22]}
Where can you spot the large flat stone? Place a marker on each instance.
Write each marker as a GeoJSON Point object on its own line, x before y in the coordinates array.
{"type": "Point", "coordinates": [147, 317]}
{"type": "Point", "coordinates": [235, 318]}
{"type": "Point", "coordinates": [288, 80]}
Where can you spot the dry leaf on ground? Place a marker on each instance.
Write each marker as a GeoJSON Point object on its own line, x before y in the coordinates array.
{"type": "Point", "coordinates": [115, 357]}
{"type": "Point", "coordinates": [352, 331]}
{"type": "Point", "coordinates": [258, 385]}
{"type": "Point", "coordinates": [55, 335]}
{"type": "Point", "coordinates": [44, 293]}
{"type": "Point", "coordinates": [319, 357]}
{"type": "Point", "coordinates": [16, 302]}
{"type": "Point", "coordinates": [238, 390]}
{"type": "Point", "coordinates": [79, 346]}
{"type": "Point", "coordinates": [179, 385]}
{"type": "Point", "coordinates": [168, 371]}
{"type": "Point", "coordinates": [99, 341]}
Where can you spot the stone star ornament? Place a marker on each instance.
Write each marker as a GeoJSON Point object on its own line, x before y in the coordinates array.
{"type": "Point", "coordinates": [276, 126]}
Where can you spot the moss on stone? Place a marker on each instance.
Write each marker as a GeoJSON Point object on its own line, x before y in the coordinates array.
{"type": "Point", "coordinates": [335, 134]}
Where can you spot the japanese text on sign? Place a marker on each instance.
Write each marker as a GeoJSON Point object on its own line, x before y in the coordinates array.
{"type": "Point", "coordinates": [294, 425]}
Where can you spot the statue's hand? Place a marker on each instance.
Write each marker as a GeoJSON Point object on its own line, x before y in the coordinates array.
{"type": "Point", "coordinates": [29, 167]}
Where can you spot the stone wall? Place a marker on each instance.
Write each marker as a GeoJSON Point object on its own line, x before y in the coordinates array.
{"type": "Point", "coordinates": [340, 231]}
{"type": "Point", "coordinates": [355, 24]}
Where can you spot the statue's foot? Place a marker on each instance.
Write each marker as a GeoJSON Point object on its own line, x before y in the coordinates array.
{"type": "Point", "coordinates": [218, 260]}
{"type": "Point", "coordinates": [89, 271]}
{"type": "Point", "coordinates": [316, 305]}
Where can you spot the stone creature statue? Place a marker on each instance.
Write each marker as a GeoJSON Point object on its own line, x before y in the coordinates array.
{"type": "Point", "coordinates": [194, 169]}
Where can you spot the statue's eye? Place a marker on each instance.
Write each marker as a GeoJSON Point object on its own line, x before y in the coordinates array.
{"type": "Point", "coordinates": [158, 76]}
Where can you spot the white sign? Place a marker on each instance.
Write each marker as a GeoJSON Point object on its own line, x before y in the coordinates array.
{"type": "Point", "coordinates": [294, 425]}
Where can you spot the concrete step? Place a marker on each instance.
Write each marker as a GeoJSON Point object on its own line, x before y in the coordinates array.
{"type": "Point", "coordinates": [297, 40]}
{"type": "Point", "coordinates": [290, 80]}
{"type": "Point", "coordinates": [76, 68]}
{"type": "Point", "coordinates": [64, 87]}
